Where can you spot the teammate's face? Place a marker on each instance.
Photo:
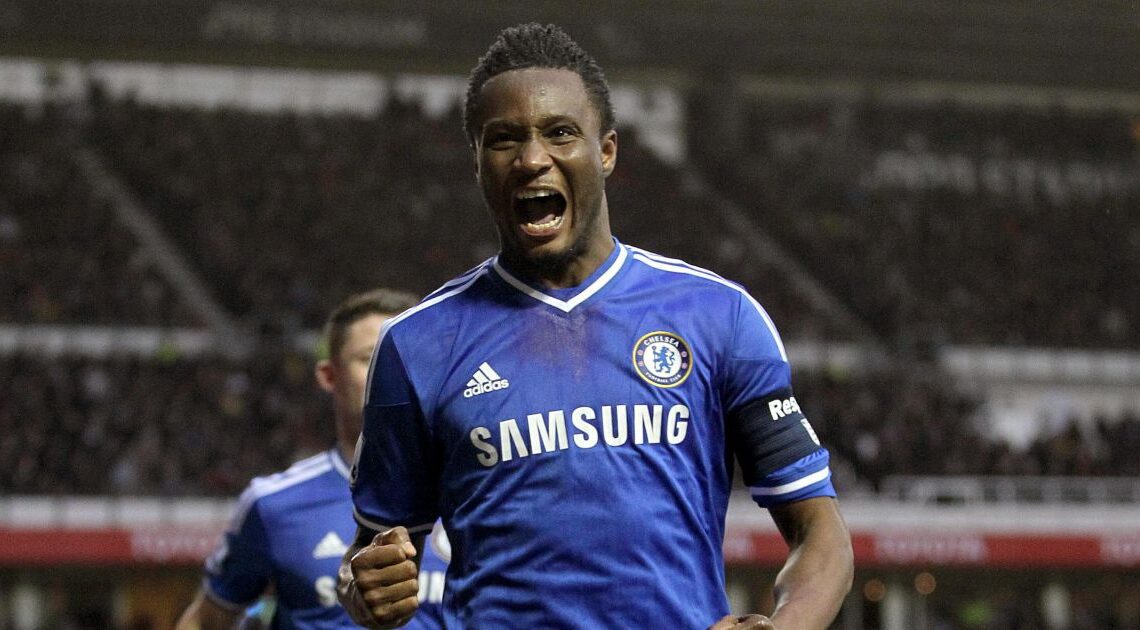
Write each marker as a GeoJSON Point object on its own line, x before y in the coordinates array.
{"type": "Point", "coordinates": [542, 161]}
{"type": "Point", "coordinates": [345, 375]}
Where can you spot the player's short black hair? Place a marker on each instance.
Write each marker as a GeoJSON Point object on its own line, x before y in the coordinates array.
{"type": "Point", "coordinates": [359, 306]}
{"type": "Point", "coordinates": [537, 45]}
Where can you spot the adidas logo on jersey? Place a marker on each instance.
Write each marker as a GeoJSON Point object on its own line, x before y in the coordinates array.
{"type": "Point", "coordinates": [331, 546]}
{"type": "Point", "coordinates": [485, 379]}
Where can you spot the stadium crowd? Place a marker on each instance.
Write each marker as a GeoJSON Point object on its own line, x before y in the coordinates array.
{"type": "Point", "coordinates": [908, 421]}
{"type": "Point", "coordinates": [941, 223]}
{"type": "Point", "coordinates": [65, 257]}
{"type": "Point", "coordinates": [283, 214]}
{"type": "Point", "coordinates": [935, 224]}
{"type": "Point", "coordinates": [286, 213]}
{"type": "Point", "coordinates": [181, 427]}
{"type": "Point", "coordinates": [168, 427]}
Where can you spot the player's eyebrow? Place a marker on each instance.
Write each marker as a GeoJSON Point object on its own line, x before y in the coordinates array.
{"type": "Point", "coordinates": [542, 123]}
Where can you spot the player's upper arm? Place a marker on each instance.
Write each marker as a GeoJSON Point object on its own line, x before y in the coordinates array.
{"type": "Point", "coordinates": [779, 452]}
{"type": "Point", "coordinates": [240, 570]}
{"type": "Point", "coordinates": [394, 472]}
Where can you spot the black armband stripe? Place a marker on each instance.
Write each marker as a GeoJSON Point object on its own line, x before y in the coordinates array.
{"type": "Point", "coordinates": [768, 434]}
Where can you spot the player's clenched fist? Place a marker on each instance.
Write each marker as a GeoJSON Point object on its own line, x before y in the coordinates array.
{"type": "Point", "coordinates": [749, 622]}
{"type": "Point", "coordinates": [377, 585]}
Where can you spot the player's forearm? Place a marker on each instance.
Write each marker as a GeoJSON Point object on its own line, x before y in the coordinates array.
{"type": "Point", "coordinates": [817, 576]}
{"type": "Point", "coordinates": [204, 614]}
{"type": "Point", "coordinates": [216, 618]}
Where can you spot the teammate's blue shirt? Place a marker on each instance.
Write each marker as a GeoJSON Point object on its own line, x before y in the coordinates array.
{"type": "Point", "coordinates": [290, 530]}
{"type": "Point", "coordinates": [578, 443]}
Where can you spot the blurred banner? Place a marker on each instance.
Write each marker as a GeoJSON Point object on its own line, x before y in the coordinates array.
{"type": "Point", "coordinates": [94, 531]}
{"type": "Point", "coordinates": [922, 548]}
{"type": "Point", "coordinates": [189, 545]}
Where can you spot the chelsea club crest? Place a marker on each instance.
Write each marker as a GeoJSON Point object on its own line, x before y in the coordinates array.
{"type": "Point", "coordinates": [662, 359]}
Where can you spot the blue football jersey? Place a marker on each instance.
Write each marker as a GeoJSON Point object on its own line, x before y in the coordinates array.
{"type": "Point", "coordinates": [577, 442]}
{"type": "Point", "coordinates": [289, 531]}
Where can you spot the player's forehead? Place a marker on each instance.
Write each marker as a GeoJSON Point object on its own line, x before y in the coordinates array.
{"type": "Point", "coordinates": [362, 333]}
{"type": "Point", "coordinates": [532, 95]}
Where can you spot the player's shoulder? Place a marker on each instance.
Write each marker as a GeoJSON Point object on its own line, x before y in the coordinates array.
{"type": "Point", "coordinates": [304, 479]}
{"type": "Point", "coordinates": [674, 272]}
{"type": "Point", "coordinates": [439, 308]}
{"type": "Point", "coordinates": [686, 282]}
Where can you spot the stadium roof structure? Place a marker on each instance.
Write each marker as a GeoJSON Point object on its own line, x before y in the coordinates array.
{"type": "Point", "coordinates": [1062, 44]}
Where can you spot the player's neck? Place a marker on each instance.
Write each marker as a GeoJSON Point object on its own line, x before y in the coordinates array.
{"type": "Point", "coordinates": [348, 453]}
{"type": "Point", "coordinates": [346, 436]}
{"type": "Point", "coordinates": [565, 273]}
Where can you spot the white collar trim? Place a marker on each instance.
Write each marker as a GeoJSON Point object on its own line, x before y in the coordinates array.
{"type": "Point", "coordinates": [565, 305]}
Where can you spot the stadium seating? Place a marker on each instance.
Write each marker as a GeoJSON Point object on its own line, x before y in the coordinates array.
{"type": "Point", "coordinates": [284, 214]}
{"type": "Point", "coordinates": [174, 426]}
{"type": "Point", "coordinates": [940, 223]}
{"type": "Point", "coordinates": [164, 427]}
{"type": "Point", "coordinates": [65, 258]}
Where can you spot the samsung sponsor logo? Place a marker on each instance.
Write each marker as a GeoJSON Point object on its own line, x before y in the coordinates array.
{"type": "Point", "coordinates": [582, 427]}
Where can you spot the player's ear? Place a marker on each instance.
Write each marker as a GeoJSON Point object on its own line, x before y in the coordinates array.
{"type": "Point", "coordinates": [326, 375]}
{"type": "Point", "coordinates": [609, 151]}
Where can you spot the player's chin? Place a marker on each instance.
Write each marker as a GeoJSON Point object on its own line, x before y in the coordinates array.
{"type": "Point", "coordinates": [549, 258]}
{"type": "Point", "coordinates": [542, 245]}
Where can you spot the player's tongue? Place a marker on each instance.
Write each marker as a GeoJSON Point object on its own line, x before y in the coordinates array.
{"type": "Point", "coordinates": [540, 212]}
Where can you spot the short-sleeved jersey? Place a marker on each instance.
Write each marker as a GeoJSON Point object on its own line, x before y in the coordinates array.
{"type": "Point", "coordinates": [290, 530]}
{"type": "Point", "coordinates": [577, 443]}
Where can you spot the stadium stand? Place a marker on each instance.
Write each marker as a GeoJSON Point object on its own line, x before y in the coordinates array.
{"type": "Point", "coordinates": [285, 212]}
{"type": "Point", "coordinates": [887, 206]}
{"type": "Point", "coordinates": [237, 204]}
{"type": "Point", "coordinates": [66, 259]}
{"type": "Point", "coordinates": [940, 223]}
{"type": "Point", "coordinates": [908, 421]}
{"type": "Point", "coordinates": [173, 426]}
{"type": "Point", "coordinates": [164, 426]}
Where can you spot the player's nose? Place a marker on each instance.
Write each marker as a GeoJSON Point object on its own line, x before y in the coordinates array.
{"type": "Point", "coordinates": [533, 156]}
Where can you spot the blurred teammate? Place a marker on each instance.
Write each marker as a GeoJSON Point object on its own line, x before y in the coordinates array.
{"type": "Point", "coordinates": [572, 407]}
{"type": "Point", "coordinates": [289, 529]}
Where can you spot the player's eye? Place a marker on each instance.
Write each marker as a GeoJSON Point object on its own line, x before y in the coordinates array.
{"type": "Point", "coordinates": [561, 133]}
{"type": "Point", "coordinates": [499, 140]}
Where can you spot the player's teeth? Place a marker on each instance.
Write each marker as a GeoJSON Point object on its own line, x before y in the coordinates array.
{"type": "Point", "coordinates": [535, 194]}
{"type": "Point", "coordinates": [552, 223]}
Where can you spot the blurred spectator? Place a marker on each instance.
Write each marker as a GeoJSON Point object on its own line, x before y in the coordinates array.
{"type": "Point", "coordinates": [182, 427]}
{"type": "Point", "coordinates": [943, 224]}
{"type": "Point", "coordinates": [283, 214]}
{"type": "Point", "coordinates": [910, 421]}
{"type": "Point", "coordinates": [65, 258]}
{"type": "Point", "coordinates": [172, 428]}
{"type": "Point", "coordinates": [262, 203]}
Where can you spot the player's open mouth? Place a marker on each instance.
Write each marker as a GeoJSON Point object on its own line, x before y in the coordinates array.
{"type": "Point", "coordinates": [541, 211]}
